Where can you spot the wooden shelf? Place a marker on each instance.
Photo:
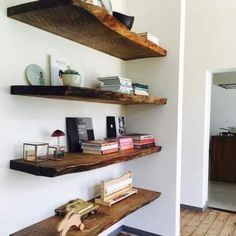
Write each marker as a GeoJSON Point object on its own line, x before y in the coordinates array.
{"type": "Point", "coordinates": [85, 94]}
{"type": "Point", "coordinates": [79, 162]}
{"type": "Point", "coordinates": [105, 216]}
{"type": "Point", "coordinates": [86, 24]}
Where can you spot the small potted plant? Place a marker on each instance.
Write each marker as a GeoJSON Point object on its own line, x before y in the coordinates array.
{"type": "Point", "coordinates": [71, 77]}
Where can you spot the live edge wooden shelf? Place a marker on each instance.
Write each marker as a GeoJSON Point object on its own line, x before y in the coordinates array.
{"type": "Point", "coordinates": [105, 217]}
{"type": "Point", "coordinates": [85, 94]}
{"type": "Point", "coordinates": [86, 24]}
{"type": "Point", "coordinates": [79, 162]}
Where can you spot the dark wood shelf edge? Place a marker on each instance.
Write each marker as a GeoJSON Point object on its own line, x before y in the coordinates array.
{"type": "Point", "coordinates": [85, 94]}
{"type": "Point", "coordinates": [107, 216]}
{"type": "Point", "coordinates": [50, 168]}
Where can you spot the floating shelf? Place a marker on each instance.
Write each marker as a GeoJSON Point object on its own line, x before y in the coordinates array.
{"type": "Point", "coordinates": [85, 94]}
{"type": "Point", "coordinates": [106, 217]}
{"type": "Point", "coordinates": [86, 24]}
{"type": "Point", "coordinates": [78, 162]}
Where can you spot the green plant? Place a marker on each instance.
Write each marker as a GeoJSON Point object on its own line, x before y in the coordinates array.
{"type": "Point", "coordinates": [70, 71]}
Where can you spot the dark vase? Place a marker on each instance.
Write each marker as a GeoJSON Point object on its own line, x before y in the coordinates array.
{"type": "Point", "coordinates": [128, 21]}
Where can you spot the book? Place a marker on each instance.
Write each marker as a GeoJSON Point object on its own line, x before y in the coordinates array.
{"type": "Point", "coordinates": [79, 129]}
{"type": "Point", "coordinates": [119, 90]}
{"type": "Point", "coordinates": [117, 79]}
{"type": "Point", "coordinates": [126, 147]}
{"type": "Point", "coordinates": [140, 86]}
{"type": "Point", "coordinates": [88, 151]}
{"type": "Point", "coordinates": [150, 37]}
{"type": "Point", "coordinates": [99, 143]}
{"type": "Point", "coordinates": [140, 92]}
{"type": "Point", "coordinates": [144, 146]}
{"type": "Point", "coordinates": [98, 148]}
{"type": "Point", "coordinates": [137, 136]}
{"type": "Point", "coordinates": [145, 141]}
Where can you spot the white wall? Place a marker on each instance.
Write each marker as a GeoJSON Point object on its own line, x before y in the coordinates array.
{"type": "Point", "coordinates": [157, 172]}
{"type": "Point", "coordinates": [210, 45]}
{"type": "Point", "coordinates": [26, 199]}
{"type": "Point", "coordinates": [223, 109]}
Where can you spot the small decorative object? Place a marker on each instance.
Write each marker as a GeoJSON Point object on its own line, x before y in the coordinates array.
{"type": "Point", "coordinates": [71, 219]}
{"type": "Point", "coordinates": [128, 21]}
{"type": "Point", "coordinates": [116, 190]}
{"type": "Point", "coordinates": [35, 75]}
{"type": "Point", "coordinates": [58, 150]}
{"type": "Point", "coordinates": [82, 207]}
{"type": "Point", "coordinates": [71, 77]}
{"type": "Point", "coordinates": [115, 126]}
{"type": "Point", "coordinates": [149, 36]}
{"type": "Point", "coordinates": [74, 211]}
{"type": "Point", "coordinates": [107, 5]}
{"type": "Point", "coordinates": [57, 66]}
{"type": "Point", "coordinates": [94, 2]}
{"type": "Point", "coordinates": [35, 152]}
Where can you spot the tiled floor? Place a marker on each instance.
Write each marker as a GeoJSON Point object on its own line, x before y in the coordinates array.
{"type": "Point", "coordinates": [222, 196]}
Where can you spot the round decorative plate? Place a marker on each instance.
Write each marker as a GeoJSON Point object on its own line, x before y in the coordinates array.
{"type": "Point", "coordinates": [35, 75]}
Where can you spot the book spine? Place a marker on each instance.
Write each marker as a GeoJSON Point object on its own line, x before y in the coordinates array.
{"type": "Point", "coordinates": [146, 141]}
{"type": "Point", "coordinates": [126, 147]}
{"type": "Point", "coordinates": [101, 148]}
{"type": "Point", "coordinates": [143, 137]}
{"type": "Point", "coordinates": [110, 151]}
{"type": "Point", "coordinates": [144, 146]}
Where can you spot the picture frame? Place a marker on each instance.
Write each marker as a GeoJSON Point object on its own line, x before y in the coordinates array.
{"type": "Point", "coordinates": [57, 65]}
{"type": "Point", "coordinates": [115, 126]}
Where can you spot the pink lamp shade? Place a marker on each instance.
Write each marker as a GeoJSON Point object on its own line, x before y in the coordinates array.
{"type": "Point", "coordinates": [58, 133]}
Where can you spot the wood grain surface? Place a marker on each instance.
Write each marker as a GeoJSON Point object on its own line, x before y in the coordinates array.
{"type": "Point", "coordinates": [85, 94]}
{"type": "Point", "coordinates": [79, 162]}
{"type": "Point", "coordinates": [207, 223]}
{"type": "Point", "coordinates": [94, 225]}
{"type": "Point", "coordinates": [86, 24]}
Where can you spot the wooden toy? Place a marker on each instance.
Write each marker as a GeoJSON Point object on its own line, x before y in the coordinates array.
{"type": "Point", "coordinates": [71, 219]}
{"type": "Point", "coordinates": [81, 207]}
{"type": "Point", "coordinates": [115, 190]}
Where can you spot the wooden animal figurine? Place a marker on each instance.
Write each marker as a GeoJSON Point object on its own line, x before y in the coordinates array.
{"type": "Point", "coordinates": [115, 190]}
{"type": "Point", "coordinates": [71, 219]}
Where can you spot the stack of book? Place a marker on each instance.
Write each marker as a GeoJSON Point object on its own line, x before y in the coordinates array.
{"type": "Point", "coordinates": [152, 38]}
{"type": "Point", "coordinates": [126, 143]}
{"type": "Point", "coordinates": [116, 84]}
{"type": "Point", "coordinates": [100, 147]}
{"type": "Point", "coordinates": [143, 140]}
{"type": "Point", "coordinates": [140, 89]}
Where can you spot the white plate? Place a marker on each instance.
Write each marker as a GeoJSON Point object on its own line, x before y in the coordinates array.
{"type": "Point", "coordinates": [35, 75]}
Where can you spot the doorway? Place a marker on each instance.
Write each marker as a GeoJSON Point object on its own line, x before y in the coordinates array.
{"type": "Point", "coordinates": [222, 148]}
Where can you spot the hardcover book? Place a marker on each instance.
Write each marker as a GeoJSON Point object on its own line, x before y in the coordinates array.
{"type": "Point", "coordinates": [78, 130]}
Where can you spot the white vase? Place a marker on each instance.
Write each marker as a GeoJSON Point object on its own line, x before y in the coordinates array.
{"type": "Point", "coordinates": [71, 80]}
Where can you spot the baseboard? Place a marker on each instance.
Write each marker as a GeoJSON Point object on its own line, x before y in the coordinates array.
{"type": "Point", "coordinates": [193, 208]}
{"type": "Point", "coordinates": [116, 231]}
{"type": "Point", "coordinates": [132, 231]}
